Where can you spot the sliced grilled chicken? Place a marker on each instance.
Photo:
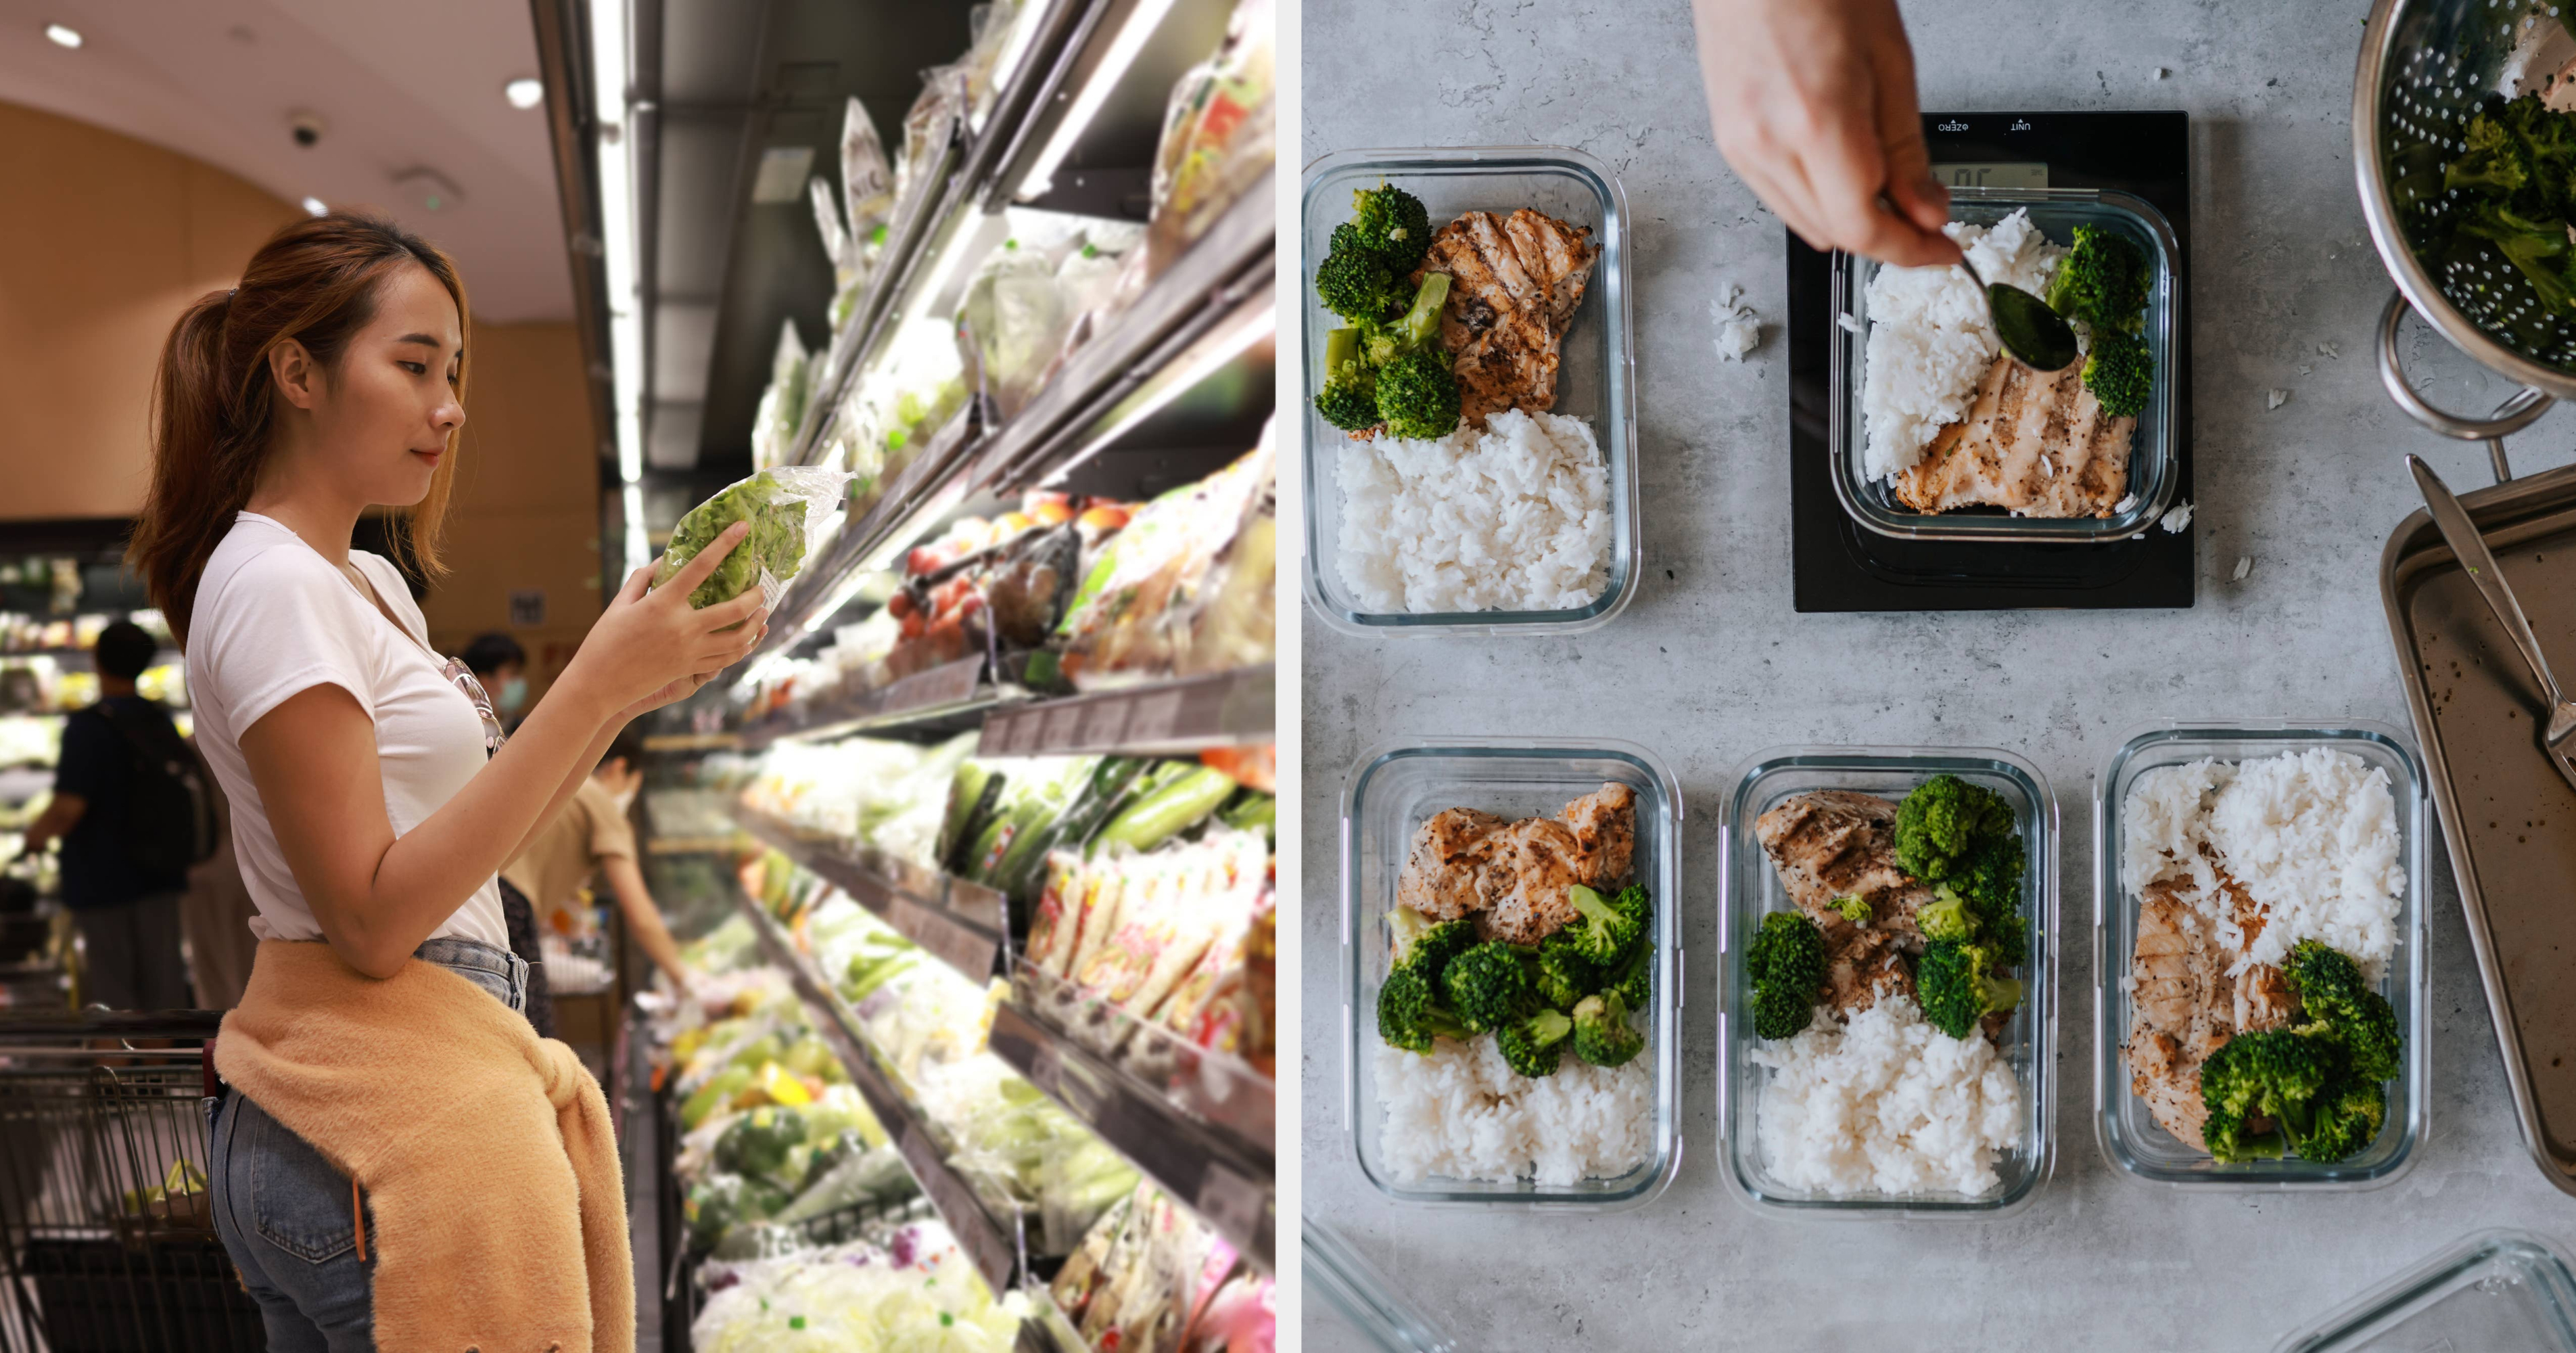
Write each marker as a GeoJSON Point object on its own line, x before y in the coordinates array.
{"type": "Point", "coordinates": [1533, 863]}
{"type": "Point", "coordinates": [2036, 443]}
{"type": "Point", "coordinates": [1833, 843]}
{"type": "Point", "coordinates": [1604, 823]}
{"type": "Point", "coordinates": [1559, 255]}
{"type": "Point", "coordinates": [2263, 999]}
{"type": "Point", "coordinates": [1443, 871]}
{"type": "Point", "coordinates": [1861, 964]}
{"type": "Point", "coordinates": [2181, 1005]}
{"type": "Point", "coordinates": [1514, 284]}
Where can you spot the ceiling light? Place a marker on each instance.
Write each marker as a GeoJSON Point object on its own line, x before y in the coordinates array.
{"type": "Point", "coordinates": [525, 92]}
{"type": "Point", "coordinates": [313, 207]}
{"type": "Point", "coordinates": [62, 35]}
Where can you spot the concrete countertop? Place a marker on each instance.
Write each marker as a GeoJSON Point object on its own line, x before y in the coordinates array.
{"type": "Point", "coordinates": [1711, 665]}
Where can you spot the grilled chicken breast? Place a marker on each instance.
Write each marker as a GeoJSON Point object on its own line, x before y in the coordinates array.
{"type": "Point", "coordinates": [2181, 1009]}
{"type": "Point", "coordinates": [1834, 843]}
{"type": "Point", "coordinates": [1514, 284]}
{"type": "Point", "coordinates": [1512, 876]}
{"type": "Point", "coordinates": [2034, 442]}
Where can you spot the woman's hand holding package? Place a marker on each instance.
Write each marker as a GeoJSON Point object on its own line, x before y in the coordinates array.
{"type": "Point", "coordinates": [649, 649]}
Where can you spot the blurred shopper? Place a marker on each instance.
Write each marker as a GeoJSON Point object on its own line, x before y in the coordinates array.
{"type": "Point", "coordinates": [1813, 103]}
{"type": "Point", "coordinates": [501, 666]}
{"type": "Point", "coordinates": [591, 837]}
{"type": "Point", "coordinates": [215, 915]}
{"type": "Point", "coordinates": [397, 1159]}
{"type": "Point", "coordinates": [132, 811]}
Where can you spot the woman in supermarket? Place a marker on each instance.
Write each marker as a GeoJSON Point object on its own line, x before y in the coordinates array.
{"type": "Point", "coordinates": [387, 1118]}
{"type": "Point", "coordinates": [1813, 103]}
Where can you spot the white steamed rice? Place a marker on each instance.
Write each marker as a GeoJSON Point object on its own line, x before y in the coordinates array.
{"type": "Point", "coordinates": [1461, 1112]}
{"type": "Point", "coordinates": [1886, 1104]}
{"type": "Point", "coordinates": [2312, 836]}
{"type": "Point", "coordinates": [1930, 341]}
{"type": "Point", "coordinates": [1513, 518]}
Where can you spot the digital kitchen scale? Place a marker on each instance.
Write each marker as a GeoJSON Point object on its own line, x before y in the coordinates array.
{"type": "Point", "coordinates": [1840, 565]}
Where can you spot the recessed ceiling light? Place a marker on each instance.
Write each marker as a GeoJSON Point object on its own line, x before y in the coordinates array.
{"type": "Point", "coordinates": [313, 207]}
{"type": "Point", "coordinates": [525, 92]}
{"type": "Point", "coordinates": [63, 35]}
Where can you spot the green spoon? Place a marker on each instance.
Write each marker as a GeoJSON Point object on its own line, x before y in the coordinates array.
{"type": "Point", "coordinates": [2036, 336]}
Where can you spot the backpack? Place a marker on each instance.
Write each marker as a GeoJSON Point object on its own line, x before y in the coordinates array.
{"type": "Point", "coordinates": [170, 819]}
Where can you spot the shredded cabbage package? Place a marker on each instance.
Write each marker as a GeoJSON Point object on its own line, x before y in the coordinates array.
{"type": "Point", "coordinates": [789, 510]}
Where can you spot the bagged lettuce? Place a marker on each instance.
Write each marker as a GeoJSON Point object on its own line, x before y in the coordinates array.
{"type": "Point", "coordinates": [789, 510]}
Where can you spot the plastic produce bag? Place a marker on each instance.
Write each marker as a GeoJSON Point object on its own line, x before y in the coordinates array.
{"type": "Point", "coordinates": [1010, 325]}
{"type": "Point", "coordinates": [788, 509]}
{"type": "Point", "coordinates": [1137, 610]}
{"type": "Point", "coordinates": [1218, 137]}
{"type": "Point", "coordinates": [927, 130]}
{"type": "Point", "coordinates": [867, 184]}
{"type": "Point", "coordinates": [782, 405]}
{"type": "Point", "coordinates": [994, 26]}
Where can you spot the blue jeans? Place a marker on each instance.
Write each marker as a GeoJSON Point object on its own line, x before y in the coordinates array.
{"type": "Point", "coordinates": [284, 1213]}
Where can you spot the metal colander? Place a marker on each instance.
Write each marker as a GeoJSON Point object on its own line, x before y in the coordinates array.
{"type": "Point", "coordinates": [2425, 66]}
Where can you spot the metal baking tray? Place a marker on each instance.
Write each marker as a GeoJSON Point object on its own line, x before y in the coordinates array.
{"type": "Point", "coordinates": [2509, 820]}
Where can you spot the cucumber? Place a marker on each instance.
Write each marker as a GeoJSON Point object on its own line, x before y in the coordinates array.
{"type": "Point", "coordinates": [1024, 866]}
{"type": "Point", "coordinates": [1254, 812]}
{"type": "Point", "coordinates": [1166, 813]}
{"type": "Point", "coordinates": [972, 792]}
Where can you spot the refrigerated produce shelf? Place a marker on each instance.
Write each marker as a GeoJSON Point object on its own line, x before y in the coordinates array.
{"type": "Point", "coordinates": [1196, 1122]}
{"type": "Point", "coordinates": [994, 1246]}
{"type": "Point", "coordinates": [1171, 1133]}
{"type": "Point", "coordinates": [960, 923]}
{"type": "Point", "coordinates": [1182, 715]}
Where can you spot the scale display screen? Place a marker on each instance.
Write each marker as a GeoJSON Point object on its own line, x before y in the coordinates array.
{"type": "Point", "coordinates": [1992, 175]}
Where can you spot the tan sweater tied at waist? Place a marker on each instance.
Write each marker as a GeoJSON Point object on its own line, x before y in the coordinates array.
{"type": "Point", "coordinates": [486, 1153]}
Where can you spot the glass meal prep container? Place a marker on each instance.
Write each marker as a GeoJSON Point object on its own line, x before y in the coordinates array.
{"type": "Point", "coordinates": [2489, 1290]}
{"type": "Point", "coordinates": [1595, 381]}
{"type": "Point", "coordinates": [2154, 469]}
{"type": "Point", "coordinates": [1753, 890]}
{"type": "Point", "coordinates": [2129, 1135]}
{"type": "Point", "coordinates": [1391, 792]}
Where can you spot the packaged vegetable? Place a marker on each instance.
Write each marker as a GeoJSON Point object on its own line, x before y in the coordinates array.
{"type": "Point", "coordinates": [1218, 136]}
{"type": "Point", "coordinates": [867, 184]}
{"type": "Point", "coordinates": [786, 507]}
{"type": "Point", "coordinates": [1011, 323]}
{"type": "Point", "coordinates": [757, 1143]}
{"type": "Point", "coordinates": [1137, 608]}
{"type": "Point", "coordinates": [782, 406]}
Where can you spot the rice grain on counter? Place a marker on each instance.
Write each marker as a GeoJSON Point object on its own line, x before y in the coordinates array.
{"type": "Point", "coordinates": [1886, 1104]}
{"type": "Point", "coordinates": [2311, 835]}
{"type": "Point", "coordinates": [1461, 1112]}
{"type": "Point", "coordinates": [1930, 341]}
{"type": "Point", "coordinates": [1515, 518]}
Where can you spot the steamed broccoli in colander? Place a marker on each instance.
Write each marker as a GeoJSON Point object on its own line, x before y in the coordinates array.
{"type": "Point", "coordinates": [776, 542]}
{"type": "Point", "coordinates": [2511, 187]}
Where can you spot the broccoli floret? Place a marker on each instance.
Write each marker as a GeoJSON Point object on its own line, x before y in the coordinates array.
{"type": "Point", "coordinates": [1407, 1015]}
{"type": "Point", "coordinates": [1633, 977]}
{"type": "Point", "coordinates": [1564, 974]}
{"type": "Point", "coordinates": [1488, 986]}
{"type": "Point", "coordinates": [1786, 960]}
{"type": "Point", "coordinates": [2342, 1122]}
{"type": "Point", "coordinates": [1946, 916]}
{"type": "Point", "coordinates": [1416, 330]}
{"type": "Point", "coordinates": [1359, 287]}
{"type": "Point", "coordinates": [1607, 925]}
{"type": "Point", "coordinates": [1426, 945]}
{"type": "Point", "coordinates": [1392, 224]}
{"type": "Point", "coordinates": [1991, 882]}
{"type": "Point", "coordinates": [2119, 372]}
{"type": "Point", "coordinates": [1941, 820]}
{"type": "Point", "coordinates": [1960, 984]}
{"type": "Point", "coordinates": [1535, 1045]}
{"type": "Point", "coordinates": [2102, 281]}
{"type": "Point", "coordinates": [2273, 1074]}
{"type": "Point", "coordinates": [1349, 398]}
{"type": "Point", "coordinates": [1602, 1034]}
{"type": "Point", "coordinates": [1417, 396]}
{"type": "Point", "coordinates": [2340, 1005]}
{"type": "Point", "coordinates": [1854, 908]}
{"type": "Point", "coordinates": [2492, 162]}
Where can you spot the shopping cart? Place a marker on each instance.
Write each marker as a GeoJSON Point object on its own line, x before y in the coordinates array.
{"type": "Point", "coordinates": [107, 1244]}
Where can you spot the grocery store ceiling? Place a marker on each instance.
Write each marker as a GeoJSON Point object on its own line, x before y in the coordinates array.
{"type": "Point", "coordinates": [399, 88]}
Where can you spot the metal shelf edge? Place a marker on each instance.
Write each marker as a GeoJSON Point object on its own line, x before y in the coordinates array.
{"type": "Point", "coordinates": [922, 906]}
{"type": "Point", "coordinates": [1225, 1181]}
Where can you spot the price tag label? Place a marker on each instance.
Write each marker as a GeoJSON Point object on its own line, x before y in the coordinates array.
{"type": "Point", "coordinates": [1063, 727]}
{"type": "Point", "coordinates": [1232, 1204]}
{"type": "Point", "coordinates": [1104, 725]}
{"type": "Point", "coordinates": [1153, 717]}
{"type": "Point", "coordinates": [958, 946]}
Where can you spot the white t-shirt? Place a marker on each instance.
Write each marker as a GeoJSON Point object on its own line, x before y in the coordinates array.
{"type": "Point", "coordinates": [273, 618]}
